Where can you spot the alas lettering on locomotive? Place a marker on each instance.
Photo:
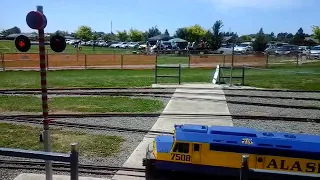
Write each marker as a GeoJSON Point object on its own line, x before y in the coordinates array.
{"type": "Point", "coordinates": [219, 149]}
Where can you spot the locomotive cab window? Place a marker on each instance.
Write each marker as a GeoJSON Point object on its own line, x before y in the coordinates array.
{"type": "Point", "coordinates": [196, 147]}
{"type": "Point", "coordinates": [181, 147]}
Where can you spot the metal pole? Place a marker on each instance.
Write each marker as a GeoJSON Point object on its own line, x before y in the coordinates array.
{"type": "Point", "coordinates": [179, 73]}
{"type": "Point", "coordinates": [231, 66]}
{"type": "Point", "coordinates": [244, 171]}
{"type": "Point", "coordinates": [74, 162]}
{"type": "Point", "coordinates": [43, 73]}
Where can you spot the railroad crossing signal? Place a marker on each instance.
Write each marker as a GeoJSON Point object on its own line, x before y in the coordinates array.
{"type": "Point", "coordinates": [38, 21]}
{"type": "Point", "coordinates": [58, 43]}
{"type": "Point", "coordinates": [22, 43]}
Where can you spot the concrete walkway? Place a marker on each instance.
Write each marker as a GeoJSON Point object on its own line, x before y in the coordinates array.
{"type": "Point", "coordinates": [185, 100]}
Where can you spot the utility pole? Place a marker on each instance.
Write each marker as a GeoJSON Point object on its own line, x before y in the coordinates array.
{"type": "Point", "coordinates": [111, 27]}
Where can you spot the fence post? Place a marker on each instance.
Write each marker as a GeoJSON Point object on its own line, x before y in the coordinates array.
{"type": "Point", "coordinates": [2, 62]}
{"type": "Point", "coordinates": [121, 61]}
{"type": "Point", "coordinates": [243, 68]}
{"type": "Point", "coordinates": [189, 61]}
{"type": "Point", "coordinates": [267, 60]}
{"type": "Point", "coordinates": [85, 61]}
{"type": "Point", "coordinates": [224, 60]}
{"type": "Point", "coordinates": [219, 74]}
{"type": "Point", "coordinates": [244, 171]}
{"type": "Point", "coordinates": [179, 73]}
{"type": "Point", "coordinates": [155, 73]}
{"type": "Point", "coordinates": [297, 59]}
{"type": "Point", "coordinates": [74, 162]}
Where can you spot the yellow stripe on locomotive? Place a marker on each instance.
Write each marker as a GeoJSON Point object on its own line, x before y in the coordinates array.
{"type": "Point", "coordinates": [219, 150]}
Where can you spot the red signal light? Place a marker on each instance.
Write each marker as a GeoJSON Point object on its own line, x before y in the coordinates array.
{"type": "Point", "coordinates": [22, 43]}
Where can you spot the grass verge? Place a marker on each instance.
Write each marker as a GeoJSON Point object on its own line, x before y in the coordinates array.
{"type": "Point", "coordinates": [304, 77]}
{"type": "Point", "coordinates": [27, 137]}
{"type": "Point", "coordinates": [273, 77]}
{"type": "Point", "coordinates": [80, 104]}
{"type": "Point", "coordinates": [98, 78]}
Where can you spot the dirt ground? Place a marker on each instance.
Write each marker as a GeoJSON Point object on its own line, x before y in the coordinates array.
{"type": "Point", "coordinates": [238, 60]}
{"type": "Point", "coordinates": [29, 60]}
{"type": "Point", "coordinates": [117, 61]}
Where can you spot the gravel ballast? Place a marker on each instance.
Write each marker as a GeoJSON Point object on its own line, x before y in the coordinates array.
{"type": "Point", "coordinates": [277, 126]}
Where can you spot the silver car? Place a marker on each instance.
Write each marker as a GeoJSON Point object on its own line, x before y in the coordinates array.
{"type": "Point", "coordinates": [314, 52]}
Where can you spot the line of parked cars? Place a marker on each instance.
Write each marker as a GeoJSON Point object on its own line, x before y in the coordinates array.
{"type": "Point", "coordinates": [288, 49]}
{"type": "Point", "coordinates": [102, 43]}
{"type": "Point", "coordinates": [243, 48]}
{"type": "Point", "coordinates": [272, 49]}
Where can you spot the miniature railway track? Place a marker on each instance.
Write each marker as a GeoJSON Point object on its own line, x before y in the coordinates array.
{"type": "Point", "coordinates": [162, 94]}
{"type": "Point", "coordinates": [87, 126]}
{"type": "Point", "coordinates": [173, 115]}
{"type": "Point", "coordinates": [150, 93]}
{"type": "Point", "coordinates": [64, 167]}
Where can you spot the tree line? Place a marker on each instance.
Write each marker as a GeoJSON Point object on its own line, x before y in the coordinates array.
{"type": "Point", "coordinates": [213, 36]}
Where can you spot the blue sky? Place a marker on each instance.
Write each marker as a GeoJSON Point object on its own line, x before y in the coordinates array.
{"type": "Point", "coordinates": [241, 16]}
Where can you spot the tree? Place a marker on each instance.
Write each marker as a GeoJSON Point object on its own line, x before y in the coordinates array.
{"type": "Point", "coordinates": [271, 37]}
{"type": "Point", "coordinates": [84, 33]}
{"type": "Point", "coordinates": [182, 33]}
{"type": "Point", "coordinates": [123, 35]}
{"type": "Point", "coordinates": [14, 30]}
{"type": "Point", "coordinates": [146, 35]}
{"type": "Point", "coordinates": [154, 31]}
{"type": "Point", "coordinates": [195, 33]}
{"type": "Point", "coordinates": [136, 35]}
{"type": "Point", "coordinates": [316, 32]}
{"type": "Point", "coordinates": [245, 38]}
{"type": "Point", "coordinates": [299, 37]}
{"type": "Point", "coordinates": [110, 37]}
{"type": "Point", "coordinates": [260, 42]}
{"type": "Point", "coordinates": [216, 35]}
{"type": "Point", "coordinates": [166, 32]}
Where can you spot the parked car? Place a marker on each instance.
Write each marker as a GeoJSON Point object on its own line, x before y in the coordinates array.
{"type": "Point", "coordinates": [116, 45]}
{"type": "Point", "coordinates": [287, 50]}
{"type": "Point", "coordinates": [271, 49]}
{"type": "Point", "coordinates": [314, 52]}
{"type": "Point", "coordinates": [134, 45]}
{"type": "Point", "coordinates": [142, 46]}
{"type": "Point", "coordinates": [124, 45]}
{"type": "Point", "coordinates": [225, 49]}
{"type": "Point", "coordinates": [304, 50]}
{"type": "Point", "coordinates": [243, 48]}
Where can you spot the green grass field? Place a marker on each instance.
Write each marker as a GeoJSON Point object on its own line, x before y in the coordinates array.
{"type": "Point", "coordinates": [7, 46]}
{"type": "Point", "coordinates": [27, 137]}
{"type": "Point", "coordinates": [98, 78]}
{"type": "Point", "coordinates": [90, 104]}
{"type": "Point", "coordinates": [275, 77]}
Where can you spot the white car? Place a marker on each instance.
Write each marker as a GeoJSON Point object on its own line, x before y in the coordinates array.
{"type": "Point", "coordinates": [124, 45]}
{"type": "Point", "coordinates": [314, 52]}
{"type": "Point", "coordinates": [224, 49]}
{"type": "Point", "coordinates": [115, 45]}
{"type": "Point", "coordinates": [243, 48]}
{"type": "Point", "coordinates": [133, 45]}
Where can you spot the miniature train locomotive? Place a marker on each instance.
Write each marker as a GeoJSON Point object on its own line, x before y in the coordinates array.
{"type": "Point", "coordinates": [219, 150]}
